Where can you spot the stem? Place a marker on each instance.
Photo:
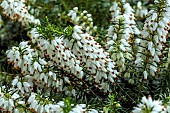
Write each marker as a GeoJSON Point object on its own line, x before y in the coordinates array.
{"type": "Point", "coordinates": [125, 92]}
{"type": "Point", "coordinates": [91, 90]}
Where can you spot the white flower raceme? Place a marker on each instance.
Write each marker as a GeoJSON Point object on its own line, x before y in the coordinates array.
{"type": "Point", "coordinates": [92, 56]}
{"type": "Point", "coordinates": [22, 86]}
{"type": "Point", "coordinates": [59, 54]}
{"type": "Point", "coordinates": [154, 34]}
{"type": "Point", "coordinates": [149, 106]}
{"type": "Point", "coordinates": [83, 19]}
{"type": "Point", "coordinates": [25, 62]}
{"type": "Point", "coordinates": [16, 10]}
{"type": "Point", "coordinates": [120, 34]}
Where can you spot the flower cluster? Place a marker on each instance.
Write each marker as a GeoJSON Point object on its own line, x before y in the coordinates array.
{"type": "Point", "coordinates": [121, 34]}
{"type": "Point", "coordinates": [13, 102]}
{"type": "Point", "coordinates": [149, 106]}
{"type": "Point", "coordinates": [153, 39]}
{"type": "Point", "coordinates": [83, 19]}
{"type": "Point", "coordinates": [92, 56]}
{"type": "Point", "coordinates": [16, 10]}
